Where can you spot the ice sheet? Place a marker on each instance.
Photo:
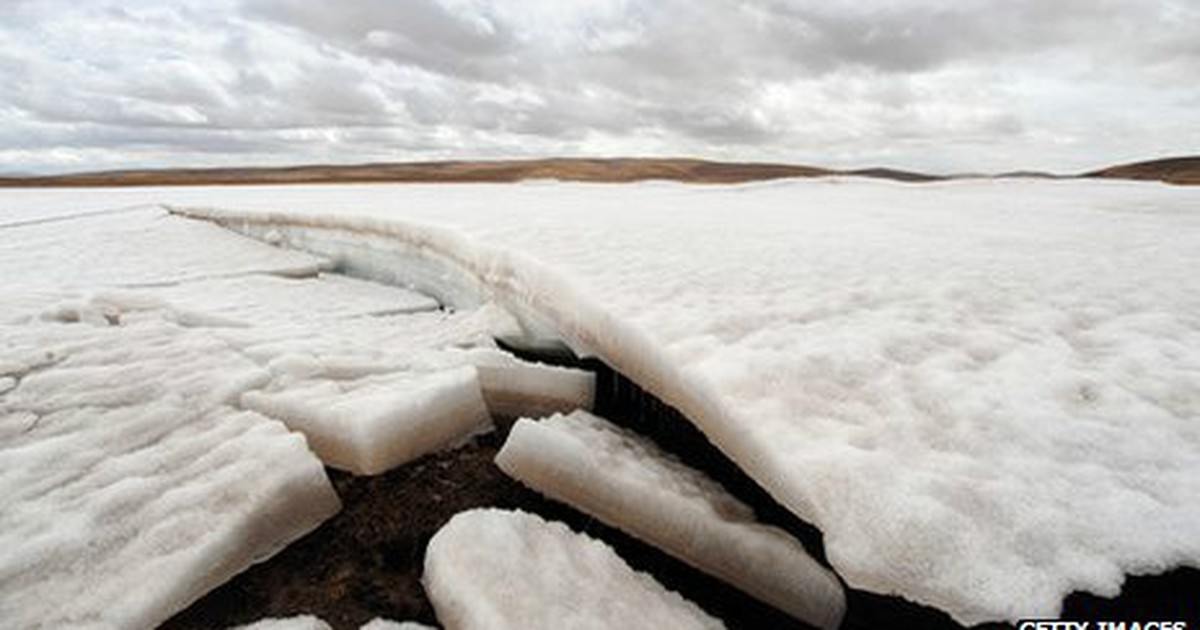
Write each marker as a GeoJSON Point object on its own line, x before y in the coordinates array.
{"type": "Point", "coordinates": [130, 487]}
{"type": "Point", "coordinates": [984, 393]}
{"type": "Point", "coordinates": [375, 423]}
{"type": "Point", "coordinates": [626, 481]}
{"type": "Point", "coordinates": [494, 569]}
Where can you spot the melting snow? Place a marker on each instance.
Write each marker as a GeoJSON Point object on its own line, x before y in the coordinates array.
{"type": "Point", "coordinates": [626, 481]}
{"type": "Point", "coordinates": [494, 569]}
{"type": "Point", "coordinates": [985, 394]}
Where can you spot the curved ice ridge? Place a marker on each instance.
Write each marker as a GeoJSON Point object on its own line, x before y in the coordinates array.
{"type": "Point", "coordinates": [1003, 572]}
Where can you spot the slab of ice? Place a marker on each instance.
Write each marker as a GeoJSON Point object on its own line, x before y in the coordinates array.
{"type": "Point", "coordinates": [514, 388]}
{"type": "Point", "coordinates": [629, 483]}
{"type": "Point", "coordinates": [984, 393]}
{"type": "Point", "coordinates": [140, 247]}
{"type": "Point", "coordinates": [373, 424]}
{"type": "Point", "coordinates": [129, 488]}
{"type": "Point", "coordinates": [494, 569]}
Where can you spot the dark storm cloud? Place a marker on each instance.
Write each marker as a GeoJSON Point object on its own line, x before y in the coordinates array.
{"type": "Point", "coordinates": [772, 79]}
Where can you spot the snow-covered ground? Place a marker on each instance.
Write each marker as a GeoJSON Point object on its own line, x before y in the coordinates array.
{"type": "Point", "coordinates": [985, 394]}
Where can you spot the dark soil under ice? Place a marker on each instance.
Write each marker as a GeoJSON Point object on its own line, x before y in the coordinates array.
{"type": "Point", "coordinates": [366, 561]}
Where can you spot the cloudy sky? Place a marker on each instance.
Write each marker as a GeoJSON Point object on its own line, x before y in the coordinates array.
{"type": "Point", "coordinates": [941, 85]}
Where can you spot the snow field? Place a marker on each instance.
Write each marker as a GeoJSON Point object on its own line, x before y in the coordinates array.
{"type": "Point", "coordinates": [983, 393]}
{"type": "Point", "coordinates": [496, 569]}
{"type": "Point", "coordinates": [626, 481]}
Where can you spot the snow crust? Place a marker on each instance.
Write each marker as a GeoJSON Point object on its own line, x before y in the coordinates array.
{"type": "Point", "coordinates": [626, 481]}
{"type": "Point", "coordinates": [130, 486]}
{"type": "Point", "coordinates": [984, 393]}
{"type": "Point", "coordinates": [267, 300]}
{"type": "Point", "coordinates": [494, 569]}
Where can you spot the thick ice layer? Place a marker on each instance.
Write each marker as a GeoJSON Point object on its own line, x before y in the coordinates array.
{"type": "Point", "coordinates": [375, 423]}
{"type": "Point", "coordinates": [139, 247]}
{"type": "Point", "coordinates": [494, 569]}
{"type": "Point", "coordinates": [130, 488]}
{"type": "Point", "coordinates": [984, 393]}
{"type": "Point", "coordinates": [626, 481]}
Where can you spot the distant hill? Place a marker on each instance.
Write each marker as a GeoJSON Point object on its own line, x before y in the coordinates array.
{"type": "Point", "coordinates": [1177, 170]}
{"type": "Point", "coordinates": [573, 169]}
{"type": "Point", "coordinates": [1182, 170]}
{"type": "Point", "coordinates": [894, 173]}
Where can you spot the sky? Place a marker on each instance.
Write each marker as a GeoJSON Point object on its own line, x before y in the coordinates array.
{"type": "Point", "coordinates": [945, 86]}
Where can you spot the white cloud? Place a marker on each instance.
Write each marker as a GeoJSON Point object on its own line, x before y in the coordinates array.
{"type": "Point", "coordinates": [936, 84]}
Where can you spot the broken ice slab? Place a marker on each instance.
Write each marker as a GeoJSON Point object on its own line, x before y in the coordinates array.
{"type": "Point", "coordinates": [496, 569]}
{"type": "Point", "coordinates": [144, 247]}
{"type": "Point", "coordinates": [268, 300]}
{"type": "Point", "coordinates": [375, 423]}
{"type": "Point", "coordinates": [515, 388]}
{"type": "Point", "coordinates": [629, 483]}
{"type": "Point", "coordinates": [124, 533]}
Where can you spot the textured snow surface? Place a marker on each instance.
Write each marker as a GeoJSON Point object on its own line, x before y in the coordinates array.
{"type": "Point", "coordinates": [626, 481]}
{"type": "Point", "coordinates": [130, 488]}
{"type": "Point", "coordinates": [494, 569]}
{"type": "Point", "coordinates": [985, 394]}
{"type": "Point", "coordinates": [265, 300]}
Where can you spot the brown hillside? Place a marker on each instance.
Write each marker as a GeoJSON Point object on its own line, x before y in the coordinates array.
{"type": "Point", "coordinates": [1179, 170]}
{"type": "Point", "coordinates": [586, 170]}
